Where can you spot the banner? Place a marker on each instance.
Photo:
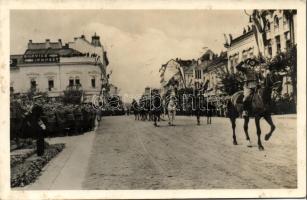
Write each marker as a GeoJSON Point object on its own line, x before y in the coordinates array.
{"type": "Point", "coordinates": [259, 32]}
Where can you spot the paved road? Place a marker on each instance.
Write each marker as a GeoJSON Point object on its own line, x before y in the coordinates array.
{"type": "Point", "coordinates": [129, 154]}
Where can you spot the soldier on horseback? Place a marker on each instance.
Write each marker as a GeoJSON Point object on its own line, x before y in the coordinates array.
{"type": "Point", "coordinates": [251, 81]}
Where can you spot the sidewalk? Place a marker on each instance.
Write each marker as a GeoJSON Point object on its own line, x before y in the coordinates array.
{"type": "Point", "coordinates": [67, 170]}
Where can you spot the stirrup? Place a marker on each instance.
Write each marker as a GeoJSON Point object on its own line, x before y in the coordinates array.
{"type": "Point", "coordinates": [244, 113]}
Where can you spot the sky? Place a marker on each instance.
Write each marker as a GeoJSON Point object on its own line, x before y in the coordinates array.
{"type": "Point", "coordinates": [138, 42]}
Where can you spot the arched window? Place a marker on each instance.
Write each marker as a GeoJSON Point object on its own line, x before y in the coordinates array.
{"type": "Point", "coordinates": [268, 26]}
{"type": "Point", "coordinates": [276, 23]}
{"type": "Point", "coordinates": [77, 81]}
{"type": "Point", "coordinates": [93, 81]}
{"type": "Point", "coordinates": [71, 81]}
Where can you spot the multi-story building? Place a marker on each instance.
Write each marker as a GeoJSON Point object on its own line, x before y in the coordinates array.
{"type": "Point", "coordinates": [280, 30]}
{"type": "Point", "coordinates": [51, 67]}
{"type": "Point", "coordinates": [280, 33]}
{"type": "Point", "coordinates": [199, 68]}
{"type": "Point", "coordinates": [213, 72]}
{"type": "Point", "coordinates": [240, 48]}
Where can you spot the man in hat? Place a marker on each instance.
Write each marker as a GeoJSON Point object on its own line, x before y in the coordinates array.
{"type": "Point", "coordinates": [251, 81]}
{"type": "Point", "coordinates": [37, 125]}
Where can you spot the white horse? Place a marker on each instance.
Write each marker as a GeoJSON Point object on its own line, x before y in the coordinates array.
{"type": "Point", "coordinates": [171, 108]}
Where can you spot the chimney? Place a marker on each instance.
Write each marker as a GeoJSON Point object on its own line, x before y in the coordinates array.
{"type": "Point", "coordinates": [30, 44]}
{"type": "Point", "coordinates": [60, 43]}
{"type": "Point", "coordinates": [96, 40]}
{"type": "Point", "coordinates": [47, 43]}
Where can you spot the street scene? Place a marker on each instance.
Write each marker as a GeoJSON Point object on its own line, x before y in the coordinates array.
{"type": "Point", "coordinates": [153, 99]}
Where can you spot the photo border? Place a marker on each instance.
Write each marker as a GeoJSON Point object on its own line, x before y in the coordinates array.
{"type": "Point", "coordinates": [7, 193]}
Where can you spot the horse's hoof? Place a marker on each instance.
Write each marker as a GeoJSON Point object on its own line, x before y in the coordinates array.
{"type": "Point", "coordinates": [235, 143]}
{"type": "Point", "coordinates": [260, 148]}
{"type": "Point", "coordinates": [249, 144]}
{"type": "Point", "coordinates": [267, 137]}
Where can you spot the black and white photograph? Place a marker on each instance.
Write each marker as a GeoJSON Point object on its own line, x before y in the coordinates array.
{"type": "Point", "coordinates": [154, 99]}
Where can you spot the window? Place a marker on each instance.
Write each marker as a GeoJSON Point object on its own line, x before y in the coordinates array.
{"type": "Point", "coordinates": [268, 27]}
{"type": "Point", "coordinates": [93, 81]}
{"type": "Point", "coordinates": [33, 84]}
{"type": "Point", "coordinates": [198, 74]}
{"type": "Point", "coordinates": [278, 47]}
{"type": "Point", "coordinates": [276, 23]}
{"type": "Point", "coordinates": [71, 82]}
{"type": "Point", "coordinates": [270, 47]}
{"type": "Point", "coordinates": [77, 81]}
{"type": "Point", "coordinates": [288, 41]}
{"type": "Point", "coordinates": [50, 84]}
{"type": "Point", "coordinates": [11, 89]}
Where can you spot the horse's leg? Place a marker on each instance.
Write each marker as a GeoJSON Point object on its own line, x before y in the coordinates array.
{"type": "Point", "coordinates": [233, 125]}
{"type": "Point", "coordinates": [268, 118]}
{"type": "Point", "coordinates": [198, 118]}
{"type": "Point", "coordinates": [155, 119]}
{"type": "Point", "coordinates": [246, 121]}
{"type": "Point", "coordinates": [257, 121]}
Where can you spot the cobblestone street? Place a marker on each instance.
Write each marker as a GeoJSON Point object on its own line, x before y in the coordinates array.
{"type": "Point", "coordinates": [129, 154]}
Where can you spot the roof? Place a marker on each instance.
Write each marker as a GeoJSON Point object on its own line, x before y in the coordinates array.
{"type": "Point", "coordinates": [241, 37]}
{"type": "Point", "coordinates": [221, 59]}
{"type": "Point", "coordinates": [53, 45]}
{"type": "Point", "coordinates": [63, 52]}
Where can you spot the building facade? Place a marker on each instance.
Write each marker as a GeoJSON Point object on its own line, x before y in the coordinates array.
{"type": "Point", "coordinates": [279, 34]}
{"type": "Point", "coordinates": [213, 72]}
{"type": "Point", "coordinates": [199, 68]}
{"type": "Point", "coordinates": [241, 48]}
{"type": "Point", "coordinates": [51, 67]}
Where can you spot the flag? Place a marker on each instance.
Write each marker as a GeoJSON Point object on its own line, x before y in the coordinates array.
{"type": "Point", "coordinates": [105, 58]}
{"type": "Point", "coordinates": [180, 68]}
{"type": "Point", "coordinates": [170, 70]}
{"type": "Point", "coordinates": [259, 32]}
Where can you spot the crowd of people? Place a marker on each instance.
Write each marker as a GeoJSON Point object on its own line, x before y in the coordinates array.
{"type": "Point", "coordinates": [55, 117]}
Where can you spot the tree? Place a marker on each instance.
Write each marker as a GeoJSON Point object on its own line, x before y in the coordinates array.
{"type": "Point", "coordinates": [286, 62]}
{"type": "Point", "coordinates": [231, 82]}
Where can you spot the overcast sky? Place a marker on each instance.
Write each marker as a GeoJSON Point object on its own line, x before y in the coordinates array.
{"type": "Point", "coordinates": [137, 41]}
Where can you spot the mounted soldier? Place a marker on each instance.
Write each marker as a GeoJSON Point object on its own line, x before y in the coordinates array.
{"type": "Point", "coordinates": [251, 81]}
{"type": "Point", "coordinates": [156, 105]}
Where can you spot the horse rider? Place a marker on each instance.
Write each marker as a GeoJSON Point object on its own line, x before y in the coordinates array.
{"type": "Point", "coordinates": [156, 106]}
{"type": "Point", "coordinates": [171, 107]}
{"type": "Point", "coordinates": [251, 81]}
